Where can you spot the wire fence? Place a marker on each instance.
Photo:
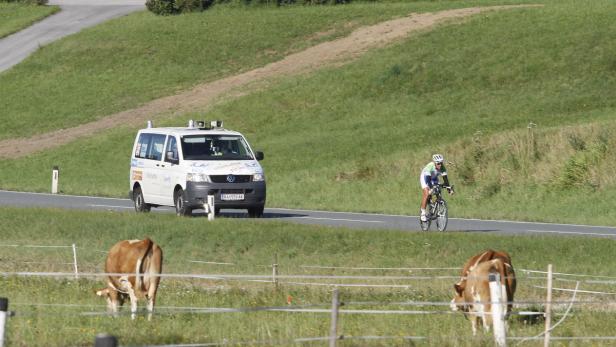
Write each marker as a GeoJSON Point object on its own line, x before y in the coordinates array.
{"type": "Point", "coordinates": [318, 280]}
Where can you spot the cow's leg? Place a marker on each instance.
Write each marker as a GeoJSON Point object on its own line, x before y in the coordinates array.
{"type": "Point", "coordinates": [474, 324]}
{"type": "Point", "coordinates": [151, 302]}
{"type": "Point", "coordinates": [113, 302]}
{"type": "Point", "coordinates": [128, 287]}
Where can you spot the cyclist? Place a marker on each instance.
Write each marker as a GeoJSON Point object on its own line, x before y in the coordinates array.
{"type": "Point", "coordinates": [429, 177]}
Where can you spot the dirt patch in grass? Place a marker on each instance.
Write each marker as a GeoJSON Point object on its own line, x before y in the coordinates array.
{"type": "Point", "coordinates": [329, 53]}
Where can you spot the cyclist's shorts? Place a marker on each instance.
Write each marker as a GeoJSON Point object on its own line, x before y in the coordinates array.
{"type": "Point", "coordinates": [423, 180]}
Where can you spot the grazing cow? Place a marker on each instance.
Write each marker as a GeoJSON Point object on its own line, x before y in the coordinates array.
{"type": "Point", "coordinates": [474, 298]}
{"type": "Point", "coordinates": [141, 262]}
{"type": "Point", "coordinates": [475, 260]}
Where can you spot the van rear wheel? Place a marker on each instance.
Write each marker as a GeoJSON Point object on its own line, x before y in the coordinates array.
{"type": "Point", "coordinates": [180, 207]}
{"type": "Point", "coordinates": [140, 205]}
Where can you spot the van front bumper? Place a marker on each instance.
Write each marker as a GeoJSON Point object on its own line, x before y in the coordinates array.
{"type": "Point", "coordinates": [253, 194]}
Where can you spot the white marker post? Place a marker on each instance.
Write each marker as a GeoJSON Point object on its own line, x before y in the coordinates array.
{"type": "Point", "coordinates": [4, 306]}
{"type": "Point", "coordinates": [498, 316]}
{"type": "Point", "coordinates": [212, 208]}
{"type": "Point", "coordinates": [55, 175]}
{"type": "Point", "coordinates": [75, 260]}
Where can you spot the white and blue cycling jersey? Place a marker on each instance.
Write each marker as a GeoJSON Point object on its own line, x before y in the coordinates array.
{"type": "Point", "coordinates": [430, 174]}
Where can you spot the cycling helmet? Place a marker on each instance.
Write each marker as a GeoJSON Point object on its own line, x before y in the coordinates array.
{"type": "Point", "coordinates": [437, 158]}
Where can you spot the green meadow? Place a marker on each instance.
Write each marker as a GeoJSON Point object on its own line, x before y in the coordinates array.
{"type": "Point", "coordinates": [520, 102]}
{"type": "Point", "coordinates": [65, 311]}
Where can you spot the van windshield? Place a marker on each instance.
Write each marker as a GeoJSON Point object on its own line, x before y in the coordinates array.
{"type": "Point", "coordinates": [215, 147]}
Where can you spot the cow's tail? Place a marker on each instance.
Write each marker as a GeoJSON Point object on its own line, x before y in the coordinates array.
{"type": "Point", "coordinates": [139, 270]}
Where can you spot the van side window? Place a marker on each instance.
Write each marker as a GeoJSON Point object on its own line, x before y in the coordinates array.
{"type": "Point", "coordinates": [172, 146]}
{"type": "Point", "coordinates": [150, 146]}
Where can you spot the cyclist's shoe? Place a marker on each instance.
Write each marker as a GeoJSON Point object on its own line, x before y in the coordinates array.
{"type": "Point", "coordinates": [423, 217]}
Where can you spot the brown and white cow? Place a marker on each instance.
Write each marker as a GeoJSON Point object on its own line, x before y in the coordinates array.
{"type": "Point", "coordinates": [475, 260]}
{"type": "Point", "coordinates": [135, 266]}
{"type": "Point", "coordinates": [472, 292]}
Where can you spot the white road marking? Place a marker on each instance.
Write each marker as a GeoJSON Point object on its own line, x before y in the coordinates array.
{"type": "Point", "coordinates": [342, 219]}
{"type": "Point", "coordinates": [112, 206]}
{"type": "Point", "coordinates": [569, 232]}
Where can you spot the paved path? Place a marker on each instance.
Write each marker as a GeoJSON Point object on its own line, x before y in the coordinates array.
{"type": "Point", "coordinates": [74, 16]}
{"type": "Point", "coordinates": [345, 219]}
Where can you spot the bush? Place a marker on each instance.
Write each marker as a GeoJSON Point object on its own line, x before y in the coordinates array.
{"type": "Point", "coordinates": [169, 7]}
{"type": "Point", "coordinates": [29, 2]}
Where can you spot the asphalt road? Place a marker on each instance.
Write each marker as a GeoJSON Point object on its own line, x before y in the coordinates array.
{"type": "Point", "coordinates": [74, 16]}
{"type": "Point", "coordinates": [346, 219]}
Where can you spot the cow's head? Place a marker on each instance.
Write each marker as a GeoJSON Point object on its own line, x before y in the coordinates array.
{"type": "Point", "coordinates": [458, 303]}
{"type": "Point", "coordinates": [111, 296]}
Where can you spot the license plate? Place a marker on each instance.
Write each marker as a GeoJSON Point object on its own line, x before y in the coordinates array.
{"type": "Point", "coordinates": [228, 197]}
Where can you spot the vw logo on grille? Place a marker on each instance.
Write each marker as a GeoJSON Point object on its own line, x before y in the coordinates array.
{"type": "Point", "coordinates": [230, 178]}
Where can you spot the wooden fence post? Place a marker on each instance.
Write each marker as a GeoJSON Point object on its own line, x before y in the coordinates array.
{"type": "Point", "coordinates": [333, 332]}
{"type": "Point", "coordinates": [105, 340]}
{"type": "Point", "coordinates": [275, 270]}
{"type": "Point", "coordinates": [4, 306]}
{"type": "Point", "coordinates": [548, 309]}
{"type": "Point", "coordinates": [498, 316]}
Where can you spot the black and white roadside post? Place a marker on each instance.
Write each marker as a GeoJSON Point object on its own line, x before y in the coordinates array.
{"type": "Point", "coordinates": [333, 332]}
{"type": "Point", "coordinates": [55, 176]}
{"type": "Point", "coordinates": [4, 307]}
{"type": "Point", "coordinates": [498, 309]}
{"type": "Point", "coordinates": [211, 212]}
{"type": "Point", "coordinates": [105, 340]}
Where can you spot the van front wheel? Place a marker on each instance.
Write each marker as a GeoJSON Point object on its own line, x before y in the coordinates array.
{"type": "Point", "coordinates": [255, 212]}
{"type": "Point", "coordinates": [140, 205]}
{"type": "Point", "coordinates": [180, 207]}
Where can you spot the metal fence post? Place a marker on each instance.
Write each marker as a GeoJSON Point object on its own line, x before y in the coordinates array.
{"type": "Point", "coordinates": [333, 332]}
{"type": "Point", "coordinates": [105, 340]}
{"type": "Point", "coordinates": [498, 316]}
{"type": "Point", "coordinates": [4, 306]}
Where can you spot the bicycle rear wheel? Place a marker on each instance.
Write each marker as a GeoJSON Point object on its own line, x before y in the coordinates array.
{"type": "Point", "coordinates": [441, 216]}
{"type": "Point", "coordinates": [425, 225]}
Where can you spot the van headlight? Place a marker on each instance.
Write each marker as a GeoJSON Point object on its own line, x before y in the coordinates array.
{"type": "Point", "coordinates": [197, 177]}
{"type": "Point", "coordinates": [258, 177]}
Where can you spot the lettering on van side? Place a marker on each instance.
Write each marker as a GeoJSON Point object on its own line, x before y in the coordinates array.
{"type": "Point", "coordinates": [137, 175]}
{"type": "Point", "coordinates": [136, 163]}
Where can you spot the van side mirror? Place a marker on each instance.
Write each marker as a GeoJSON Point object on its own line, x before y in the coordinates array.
{"type": "Point", "coordinates": [170, 157]}
{"type": "Point", "coordinates": [259, 155]}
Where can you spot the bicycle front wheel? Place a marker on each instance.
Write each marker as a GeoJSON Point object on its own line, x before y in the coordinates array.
{"type": "Point", "coordinates": [441, 215]}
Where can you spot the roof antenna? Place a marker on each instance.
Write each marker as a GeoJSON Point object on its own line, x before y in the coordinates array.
{"type": "Point", "coordinates": [150, 124]}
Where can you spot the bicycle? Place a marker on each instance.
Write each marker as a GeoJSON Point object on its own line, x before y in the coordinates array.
{"type": "Point", "coordinates": [436, 209]}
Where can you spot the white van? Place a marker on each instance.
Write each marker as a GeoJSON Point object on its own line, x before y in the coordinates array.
{"type": "Point", "coordinates": [181, 166]}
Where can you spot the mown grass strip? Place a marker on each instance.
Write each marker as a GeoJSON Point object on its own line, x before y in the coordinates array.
{"type": "Point", "coordinates": [16, 16]}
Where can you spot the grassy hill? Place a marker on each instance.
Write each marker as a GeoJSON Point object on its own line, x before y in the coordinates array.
{"type": "Point", "coordinates": [352, 137]}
